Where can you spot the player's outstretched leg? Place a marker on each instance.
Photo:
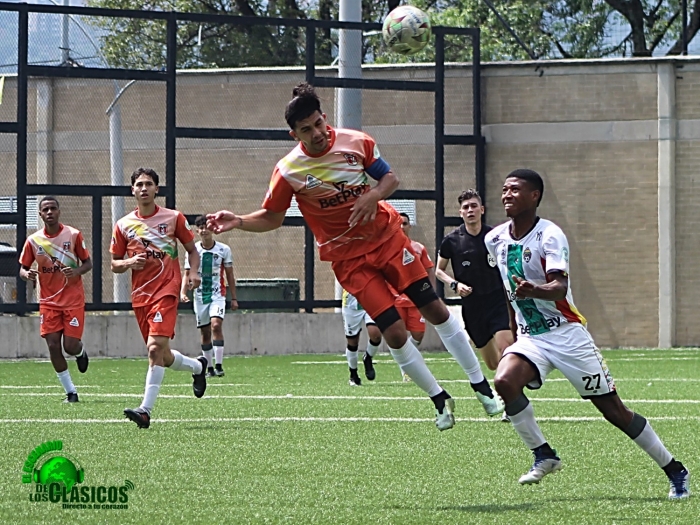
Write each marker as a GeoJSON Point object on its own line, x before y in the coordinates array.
{"type": "Point", "coordinates": [639, 430]}
{"type": "Point", "coordinates": [198, 367]}
{"type": "Point", "coordinates": [351, 356]}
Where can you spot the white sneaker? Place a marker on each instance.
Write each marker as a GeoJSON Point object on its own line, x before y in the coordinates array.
{"type": "Point", "coordinates": [493, 405]}
{"type": "Point", "coordinates": [446, 420]}
{"type": "Point", "coordinates": [540, 469]}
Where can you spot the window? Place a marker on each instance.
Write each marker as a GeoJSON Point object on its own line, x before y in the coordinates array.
{"type": "Point", "coordinates": [9, 205]}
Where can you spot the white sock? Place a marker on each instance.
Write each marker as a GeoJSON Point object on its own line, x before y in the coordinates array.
{"type": "Point", "coordinates": [410, 361]}
{"type": "Point", "coordinates": [650, 443]}
{"type": "Point", "coordinates": [219, 352]}
{"type": "Point", "coordinates": [154, 378]}
{"type": "Point", "coordinates": [352, 358]}
{"type": "Point", "coordinates": [209, 354]}
{"type": "Point", "coordinates": [372, 349]}
{"type": "Point", "coordinates": [527, 428]}
{"type": "Point", "coordinates": [64, 378]}
{"type": "Point", "coordinates": [181, 363]}
{"type": "Point", "coordinates": [457, 344]}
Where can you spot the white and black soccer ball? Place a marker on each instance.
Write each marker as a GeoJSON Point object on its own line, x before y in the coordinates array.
{"type": "Point", "coordinates": [406, 30]}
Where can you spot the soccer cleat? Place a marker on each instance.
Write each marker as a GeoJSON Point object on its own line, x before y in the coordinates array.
{"type": "Point", "coordinates": [218, 371]}
{"type": "Point", "coordinates": [542, 466]}
{"type": "Point", "coordinates": [199, 381]}
{"type": "Point", "coordinates": [210, 372]}
{"type": "Point", "coordinates": [138, 416]}
{"type": "Point", "coordinates": [445, 420]}
{"type": "Point", "coordinates": [82, 362]}
{"type": "Point", "coordinates": [71, 397]}
{"type": "Point", "coordinates": [680, 485]}
{"type": "Point", "coordinates": [370, 373]}
{"type": "Point", "coordinates": [505, 418]}
{"type": "Point", "coordinates": [493, 405]}
{"type": "Point", "coordinates": [354, 378]}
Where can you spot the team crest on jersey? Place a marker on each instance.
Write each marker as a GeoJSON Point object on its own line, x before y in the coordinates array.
{"type": "Point", "coordinates": [408, 257]}
{"type": "Point", "coordinates": [312, 182]}
{"type": "Point", "coordinates": [492, 260]}
{"type": "Point", "coordinates": [350, 158]}
{"type": "Point", "coordinates": [527, 255]}
{"type": "Point", "coordinates": [495, 239]}
{"type": "Point", "coordinates": [66, 245]}
{"type": "Point", "coordinates": [162, 229]}
{"type": "Point", "coordinates": [40, 251]}
{"type": "Point", "coordinates": [466, 263]}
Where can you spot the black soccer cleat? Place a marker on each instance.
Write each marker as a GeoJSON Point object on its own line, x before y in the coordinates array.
{"type": "Point", "coordinates": [83, 361]}
{"type": "Point", "coordinates": [354, 378]}
{"type": "Point", "coordinates": [199, 381]}
{"type": "Point", "coordinates": [219, 371]}
{"type": "Point", "coordinates": [370, 373]}
{"type": "Point", "coordinates": [138, 416]}
{"type": "Point", "coordinates": [72, 397]}
{"type": "Point", "coordinates": [210, 372]}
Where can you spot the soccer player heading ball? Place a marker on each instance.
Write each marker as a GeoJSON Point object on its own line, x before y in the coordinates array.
{"type": "Point", "coordinates": [329, 173]}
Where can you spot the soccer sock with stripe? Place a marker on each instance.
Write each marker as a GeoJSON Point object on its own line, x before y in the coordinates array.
{"type": "Point", "coordinates": [351, 356]}
{"type": "Point", "coordinates": [219, 351]}
{"type": "Point", "coordinates": [372, 348]}
{"type": "Point", "coordinates": [411, 362]}
{"type": "Point", "coordinates": [457, 344]}
{"type": "Point", "coordinates": [209, 354]}
{"type": "Point", "coordinates": [66, 381]}
{"type": "Point", "coordinates": [154, 378]}
{"type": "Point", "coordinates": [182, 363]}
{"type": "Point", "coordinates": [522, 416]}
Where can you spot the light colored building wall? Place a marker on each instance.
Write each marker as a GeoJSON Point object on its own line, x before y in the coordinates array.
{"type": "Point", "coordinates": [589, 127]}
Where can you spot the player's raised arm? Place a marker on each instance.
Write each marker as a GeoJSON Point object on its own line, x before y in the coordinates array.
{"type": "Point", "coordinates": [259, 221]}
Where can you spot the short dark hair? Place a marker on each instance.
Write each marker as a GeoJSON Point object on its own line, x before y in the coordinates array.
{"type": "Point", "coordinates": [49, 198]}
{"type": "Point", "coordinates": [144, 171]}
{"type": "Point", "coordinates": [531, 177]}
{"type": "Point", "coordinates": [303, 105]}
{"type": "Point", "coordinates": [469, 194]}
{"type": "Point", "coordinates": [404, 214]}
{"type": "Point", "coordinates": [200, 220]}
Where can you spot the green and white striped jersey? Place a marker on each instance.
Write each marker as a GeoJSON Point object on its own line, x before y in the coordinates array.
{"type": "Point", "coordinates": [211, 271]}
{"type": "Point", "coordinates": [543, 250]}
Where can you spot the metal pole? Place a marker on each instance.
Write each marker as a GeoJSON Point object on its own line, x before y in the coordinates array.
{"type": "Point", "coordinates": [65, 42]}
{"type": "Point", "coordinates": [120, 284]}
{"type": "Point", "coordinates": [348, 102]}
{"type": "Point", "coordinates": [439, 145]}
{"type": "Point", "coordinates": [21, 171]}
{"type": "Point", "coordinates": [480, 148]}
{"type": "Point", "coordinates": [684, 27]}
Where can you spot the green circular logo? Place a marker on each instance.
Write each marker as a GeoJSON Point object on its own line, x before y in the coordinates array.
{"type": "Point", "coordinates": [58, 470]}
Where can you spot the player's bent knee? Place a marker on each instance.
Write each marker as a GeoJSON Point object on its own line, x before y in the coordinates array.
{"type": "Point", "coordinates": [421, 293]}
{"type": "Point", "coordinates": [386, 319]}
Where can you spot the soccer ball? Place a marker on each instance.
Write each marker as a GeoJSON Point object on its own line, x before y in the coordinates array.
{"type": "Point", "coordinates": [406, 30]}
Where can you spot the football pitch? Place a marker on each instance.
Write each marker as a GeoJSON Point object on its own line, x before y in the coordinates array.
{"type": "Point", "coordinates": [286, 440]}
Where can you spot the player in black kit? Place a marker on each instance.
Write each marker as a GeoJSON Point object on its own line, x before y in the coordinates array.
{"type": "Point", "coordinates": [477, 281]}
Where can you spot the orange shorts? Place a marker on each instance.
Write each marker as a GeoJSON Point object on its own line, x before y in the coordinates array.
{"type": "Point", "coordinates": [69, 321]}
{"type": "Point", "coordinates": [158, 318]}
{"type": "Point", "coordinates": [366, 276]}
{"type": "Point", "coordinates": [412, 318]}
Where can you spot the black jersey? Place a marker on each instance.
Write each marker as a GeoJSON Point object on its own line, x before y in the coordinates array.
{"type": "Point", "coordinates": [471, 262]}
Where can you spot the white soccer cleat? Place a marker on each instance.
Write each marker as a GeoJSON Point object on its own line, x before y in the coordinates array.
{"type": "Point", "coordinates": [540, 469]}
{"type": "Point", "coordinates": [493, 405]}
{"type": "Point", "coordinates": [680, 485]}
{"type": "Point", "coordinates": [446, 419]}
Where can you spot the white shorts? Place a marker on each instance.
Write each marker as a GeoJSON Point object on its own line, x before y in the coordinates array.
{"type": "Point", "coordinates": [571, 350]}
{"type": "Point", "coordinates": [204, 312]}
{"type": "Point", "coordinates": [353, 319]}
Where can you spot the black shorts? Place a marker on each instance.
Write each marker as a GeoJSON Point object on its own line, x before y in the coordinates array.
{"type": "Point", "coordinates": [484, 315]}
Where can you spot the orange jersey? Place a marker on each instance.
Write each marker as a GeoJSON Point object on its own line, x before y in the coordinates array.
{"type": "Point", "coordinates": [52, 253]}
{"type": "Point", "coordinates": [402, 301]}
{"type": "Point", "coordinates": [157, 237]}
{"type": "Point", "coordinates": [326, 187]}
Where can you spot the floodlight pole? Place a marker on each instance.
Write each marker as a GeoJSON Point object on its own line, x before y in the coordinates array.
{"type": "Point", "coordinates": [65, 41]}
{"type": "Point", "coordinates": [348, 102]}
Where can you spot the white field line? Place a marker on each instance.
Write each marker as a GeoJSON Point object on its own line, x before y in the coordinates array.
{"type": "Point", "coordinates": [450, 360]}
{"type": "Point", "coordinates": [348, 398]}
{"type": "Point", "coordinates": [41, 387]}
{"type": "Point", "coordinates": [324, 420]}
